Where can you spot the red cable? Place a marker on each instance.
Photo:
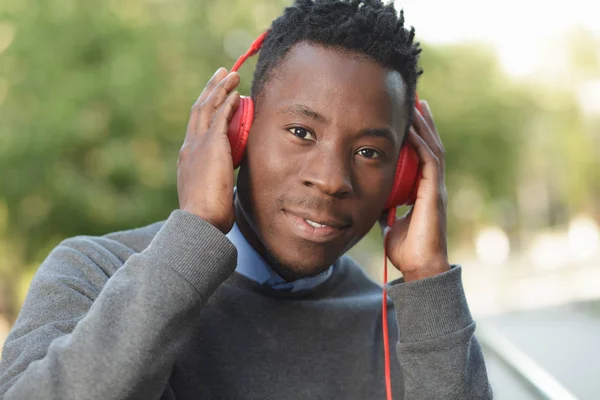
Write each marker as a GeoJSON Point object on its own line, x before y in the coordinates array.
{"type": "Point", "coordinates": [386, 340]}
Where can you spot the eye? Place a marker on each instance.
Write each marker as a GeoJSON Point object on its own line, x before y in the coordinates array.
{"type": "Point", "coordinates": [369, 153]}
{"type": "Point", "coordinates": [302, 133]}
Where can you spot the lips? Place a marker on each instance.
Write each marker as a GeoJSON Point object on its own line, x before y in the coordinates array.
{"type": "Point", "coordinates": [320, 229]}
{"type": "Point", "coordinates": [319, 221]}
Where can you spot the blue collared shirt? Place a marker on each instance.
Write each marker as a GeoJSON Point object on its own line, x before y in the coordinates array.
{"type": "Point", "coordinates": [253, 266]}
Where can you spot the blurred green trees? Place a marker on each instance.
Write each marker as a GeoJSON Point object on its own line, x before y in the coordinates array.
{"type": "Point", "coordinates": [94, 101]}
{"type": "Point", "coordinates": [95, 96]}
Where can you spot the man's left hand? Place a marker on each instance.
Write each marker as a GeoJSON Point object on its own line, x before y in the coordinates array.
{"type": "Point", "coordinates": [416, 244]}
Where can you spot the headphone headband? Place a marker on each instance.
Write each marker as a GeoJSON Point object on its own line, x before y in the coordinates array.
{"type": "Point", "coordinates": [254, 48]}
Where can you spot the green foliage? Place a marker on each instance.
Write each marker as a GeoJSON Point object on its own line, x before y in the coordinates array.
{"type": "Point", "coordinates": [98, 99]}
{"type": "Point", "coordinates": [481, 117]}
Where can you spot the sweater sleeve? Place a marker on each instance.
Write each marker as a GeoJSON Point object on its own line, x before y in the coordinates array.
{"type": "Point", "coordinates": [438, 352]}
{"type": "Point", "coordinates": [81, 335]}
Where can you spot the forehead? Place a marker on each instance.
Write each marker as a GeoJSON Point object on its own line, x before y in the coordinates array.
{"type": "Point", "coordinates": [339, 83]}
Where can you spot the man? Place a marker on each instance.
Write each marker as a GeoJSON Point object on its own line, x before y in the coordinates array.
{"type": "Point", "coordinates": [273, 310]}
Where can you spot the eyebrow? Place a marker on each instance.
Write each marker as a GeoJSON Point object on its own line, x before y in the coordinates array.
{"type": "Point", "coordinates": [380, 132]}
{"type": "Point", "coordinates": [300, 110]}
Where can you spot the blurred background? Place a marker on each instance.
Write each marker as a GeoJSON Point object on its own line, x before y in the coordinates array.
{"type": "Point", "coordinates": [95, 98]}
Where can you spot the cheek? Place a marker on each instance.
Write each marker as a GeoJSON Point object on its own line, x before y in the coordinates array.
{"type": "Point", "coordinates": [375, 188]}
{"type": "Point", "coordinates": [267, 169]}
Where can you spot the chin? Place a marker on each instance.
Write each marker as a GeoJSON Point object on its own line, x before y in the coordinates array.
{"type": "Point", "coordinates": [294, 257]}
{"type": "Point", "coordinates": [306, 261]}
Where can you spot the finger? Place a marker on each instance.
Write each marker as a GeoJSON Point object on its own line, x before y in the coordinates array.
{"type": "Point", "coordinates": [426, 132]}
{"type": "Point", "coordinates": [431, 138]}
{"type": "Point", "coordinates": [428, 115]}
{"type": "Point", "coordinates": [217, 77]}
{"type": "Point", "coordinates": [222, 117]}
{"type": "Point", "coordinates": [431, 169]}
{"type": "Point", "coordinates": [215, 99]}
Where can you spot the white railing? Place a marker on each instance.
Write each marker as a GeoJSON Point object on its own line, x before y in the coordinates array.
{"type": "Point", "coordinates": [535, 378]}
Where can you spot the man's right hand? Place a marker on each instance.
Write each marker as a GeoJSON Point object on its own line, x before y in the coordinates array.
{"type": "Point", "coordinates": [205, 165]}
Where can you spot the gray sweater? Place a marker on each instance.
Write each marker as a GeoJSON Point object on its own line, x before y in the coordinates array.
{"type": "Point", "coordinates": [159, 313]}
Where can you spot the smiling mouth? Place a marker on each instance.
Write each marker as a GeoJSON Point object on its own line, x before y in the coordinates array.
{"type": "Point", "coordinates": [326, 230]}
{"type": "Point", "coordinates": [315, 224]}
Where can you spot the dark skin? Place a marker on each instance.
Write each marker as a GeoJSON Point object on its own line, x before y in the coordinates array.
{"type": "Point", "coordinates": [323, 147]}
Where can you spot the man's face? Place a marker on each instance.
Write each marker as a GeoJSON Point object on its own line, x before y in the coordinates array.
{"type": "Point", "coordinates": [321, 157]}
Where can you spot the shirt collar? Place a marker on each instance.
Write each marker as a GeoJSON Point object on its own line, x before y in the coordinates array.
{"type": "Point", "coordinates": [253, 266]}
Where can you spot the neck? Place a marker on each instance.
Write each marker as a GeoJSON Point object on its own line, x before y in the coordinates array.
{"type": "Point", "coordinates": [243, 222]}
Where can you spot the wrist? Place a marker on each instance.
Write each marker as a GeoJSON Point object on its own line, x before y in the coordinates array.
{"type": "Point", "coordinates": [416, 275]}
{"type": "Point", "coordinates": [223, 226]}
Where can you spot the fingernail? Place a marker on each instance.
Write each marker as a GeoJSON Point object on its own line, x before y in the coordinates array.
{"type": "Point", "coordinates": [217, 71]}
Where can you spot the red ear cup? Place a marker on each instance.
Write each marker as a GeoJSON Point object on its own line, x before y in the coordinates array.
{"type": "Point", "coordinates": [408, 174]}
{"type": "Point", "coordinates": [239, 126]}
{"type": "Point", "coordinates": [407, 178]}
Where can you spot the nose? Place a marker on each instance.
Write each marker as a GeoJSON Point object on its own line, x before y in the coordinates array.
{"type": "Point", "coordinates": [329, 171]}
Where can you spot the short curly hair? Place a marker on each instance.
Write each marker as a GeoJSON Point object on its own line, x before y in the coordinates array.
{"type": "Point", "coordinates": [367, 27]}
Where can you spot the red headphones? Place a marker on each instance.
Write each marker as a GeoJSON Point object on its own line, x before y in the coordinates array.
{"type": "Point", "coordinates": [407, 177]}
